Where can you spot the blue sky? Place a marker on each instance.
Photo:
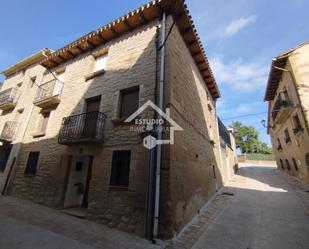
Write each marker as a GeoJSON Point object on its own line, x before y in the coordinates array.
{"type": "Point", "coordinates": [240, 38]}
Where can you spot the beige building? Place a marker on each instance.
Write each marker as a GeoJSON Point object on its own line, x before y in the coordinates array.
{"type": "Point", "coordinates": [288, 116]}
{"type": "Point", "coordinates": [73, 148]}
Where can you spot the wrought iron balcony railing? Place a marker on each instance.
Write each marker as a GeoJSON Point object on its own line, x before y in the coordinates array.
{"type": "Point", "coordinates": [48, 93]}
{"type": "Point", "coordinates": [9, 98]}
{"type": "Point", "coordinates": [82, 128]}
{"type": "Point", "coordinates": [9, 131]}
{"type": "Point", "coordinates": [282, 108]}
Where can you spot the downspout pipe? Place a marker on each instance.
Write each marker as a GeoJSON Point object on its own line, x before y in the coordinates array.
{"type": "Point", "coordinates": [161, 54]}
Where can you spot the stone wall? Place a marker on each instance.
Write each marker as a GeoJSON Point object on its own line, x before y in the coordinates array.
{"type": "Point", "coordinates": [131, 62]}
{"type": "Point", "coordinates": [297, 148]}
{"type": "Point", "coordinates": [187, 172]}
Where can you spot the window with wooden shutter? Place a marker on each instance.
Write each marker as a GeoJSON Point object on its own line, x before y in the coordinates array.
{"type": "Point", "coordinates": [120, 168]}
{"type": "Point", "coordinates": [129, 102]}
{"type": "Point", "coordinates": [32, 163]}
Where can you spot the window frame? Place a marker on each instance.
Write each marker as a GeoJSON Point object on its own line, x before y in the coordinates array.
{"type": "Point", "coordinates": [114, 182]}
{"type": "Point", "coordinates": [31, 170]}
{"type": "Point", "coordinates": [120, 101]}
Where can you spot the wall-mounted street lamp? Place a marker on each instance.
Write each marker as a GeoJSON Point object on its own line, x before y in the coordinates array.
{"type": "Point", "coordinates": [263, 122]}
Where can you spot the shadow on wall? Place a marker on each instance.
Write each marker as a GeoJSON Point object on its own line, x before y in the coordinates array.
{"type": "Point", "coordinates": [131, 62]}
{"type": "Point", "coordinates": [191, 171]}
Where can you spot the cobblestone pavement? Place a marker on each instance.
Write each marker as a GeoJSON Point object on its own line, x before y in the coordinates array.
{"type": "Point", "coordinates": [261, 207]}
{"type": "Point", "coordinates": [269, 209]}
{"type": "Point", "coordinates": [26, 225]}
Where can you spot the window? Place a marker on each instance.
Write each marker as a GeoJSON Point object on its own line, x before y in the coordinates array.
{"type": "Point", "coordinates": [32, 163]}
{"type": "Point", "coordinates": [287, 136]}
{"type": "Point", "coordinates": [120, 168]}
{"type": "Point", "coordinates": [297, 125]}
{"type": "Point", "coordinates": [45, 118]}
{"type": "Point", "coordinates": [100, 63]}
{"type": "Point", "coordinates": [287, 164]}
{"type": "Point", "coordinates": [281, 164]}
{"type": "Point", "coordinates": [307, 159]}
{"type": "Point", "coordinates": [32, 81]}
{"type": "Point", "coordinates": [295, 164]}
{"type": "Point", "coordinates": [129, 102]}
{"type": "Point", "coordinates": [214, 171]}
{"type": "Point", "coordinates": [279, 144]}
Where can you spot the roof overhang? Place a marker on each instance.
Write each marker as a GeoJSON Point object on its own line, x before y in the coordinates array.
{"type": "Point", "coordinates": [28, 61]}
{"type": "Point", "coordinates": [137, 18]}
{"type": "Point", "coordinates": [275, 76]}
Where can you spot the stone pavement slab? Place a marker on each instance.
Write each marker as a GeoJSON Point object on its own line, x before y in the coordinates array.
{"type": "Point", "coordinates": [25, 224]}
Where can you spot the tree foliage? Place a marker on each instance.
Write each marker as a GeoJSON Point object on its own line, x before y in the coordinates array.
{"type": "Point", "coordinates": [248, 140]}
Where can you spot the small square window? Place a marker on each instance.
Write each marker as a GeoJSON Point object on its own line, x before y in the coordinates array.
{"type": "Point", "coordinates": [129, 102]}
{"type": "Point", "coordinates": [100, 63]}
{"type": "Point", "coordinates": [32, 81]}
{"type": "Point", "coordinates": [79, 166]}
{"type": "Point", "coordinates": [120, 168]}
{"type": "Point", "coordinates": [32, 163]}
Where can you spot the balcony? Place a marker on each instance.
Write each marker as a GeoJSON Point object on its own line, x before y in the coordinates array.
{"type": "Point", "coordinates": [82, 129]}
{"type": "Point", "coordinates": [48, 94]}
{"type": "Point", "coordinates": [282, 110]}
{"type": "Point", "coordinates": [9, 131]}
{"type": "Point", "coordinates": [9, 98]}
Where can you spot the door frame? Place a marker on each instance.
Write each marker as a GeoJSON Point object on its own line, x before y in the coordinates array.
{"type": "Point", "coordinates": [88, 178]}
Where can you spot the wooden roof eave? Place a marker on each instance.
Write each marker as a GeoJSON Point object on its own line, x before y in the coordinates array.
{"type": "Point", "coordinates": [132, 20]}
{"type": "Point", "coordinates": [274, 77]}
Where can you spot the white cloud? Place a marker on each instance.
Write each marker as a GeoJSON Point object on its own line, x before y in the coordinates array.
{"type": "Point", "coordinates": [238, 24]}
{"type": "Point", "coordinates": [239, 75]}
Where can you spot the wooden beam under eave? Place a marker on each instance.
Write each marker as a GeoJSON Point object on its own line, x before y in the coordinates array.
{"type": "Point", "coordinates": [114, 32]}
{"type": "Point", "coordinates": [91, 44]}
{"type": "Point", "coordinates": [129, 27]}
{"type": "Point", "coordinates": [191, 43]}
{"type": "Point", "coordinates": [70, 53]}
{"type": "Point", "coordinates": [142, 18]}
{"type": "Point", "coordinates": [79, 48]}
{"type": "Point", "coordinates": [185, 31]}
{"type": "Point", "coordinates": [62, 58]}
{"type": "Point", "coordinates": [54, 62]}
{"type": "Point", "coordinates": [102, 38]}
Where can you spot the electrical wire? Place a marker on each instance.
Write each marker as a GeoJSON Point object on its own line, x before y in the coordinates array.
{"type": "Point", "coordinates": [168, 34]}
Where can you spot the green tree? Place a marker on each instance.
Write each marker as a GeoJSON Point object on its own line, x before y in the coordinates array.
{"type": "Point", "coordinates": [248, 140]}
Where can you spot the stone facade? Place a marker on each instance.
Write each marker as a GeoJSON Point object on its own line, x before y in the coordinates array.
{"type": "Point", "coordinates": [292, 151]}
{"type": "Point", "coordinates": [191, 168]}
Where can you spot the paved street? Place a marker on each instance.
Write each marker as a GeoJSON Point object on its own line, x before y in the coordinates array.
{"type": "Point", "coordinates": [264, 213]}
{"type": "Point", "coordinates": [261, 208]}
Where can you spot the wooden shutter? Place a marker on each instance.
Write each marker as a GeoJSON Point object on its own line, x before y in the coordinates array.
{"type": "Point", "coordinates": [129, 102]}
{"type": "Point", "coordinates": [120, 168]}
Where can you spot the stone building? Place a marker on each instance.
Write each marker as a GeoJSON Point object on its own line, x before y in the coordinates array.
{"type": "Point", "coordinates": [75, 148]}
{"type": "Point", "coordinates": [288, 97]}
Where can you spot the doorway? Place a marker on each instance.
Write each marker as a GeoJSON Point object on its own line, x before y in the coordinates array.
{"type": "Point", "coordinates": [91, 117]}
{"type": "Point", "coordinates": [5, 151]}
{"type": "Point", "coordinates": [78, 182]}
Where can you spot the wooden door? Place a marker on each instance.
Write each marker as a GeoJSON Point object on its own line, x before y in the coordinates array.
{"type": "Point", "coordinates": [91, 117]}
